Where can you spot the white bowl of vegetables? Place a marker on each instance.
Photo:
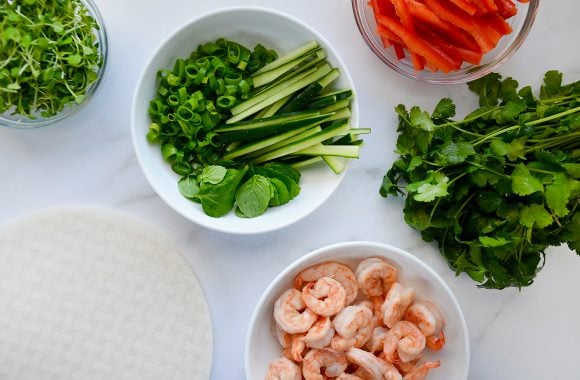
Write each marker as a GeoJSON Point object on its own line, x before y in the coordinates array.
{"type": "Point", "coordinates": [245, 120]}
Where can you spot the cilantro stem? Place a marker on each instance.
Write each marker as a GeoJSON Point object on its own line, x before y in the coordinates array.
{"type": "Point", "coordinates": [454, 126]}
{"type": "Point", "coordinates": [479, 166]}
{"type": "Point", "coordinates": [553, 117]}
{"type": "Point", "coordinates": [496, 133]}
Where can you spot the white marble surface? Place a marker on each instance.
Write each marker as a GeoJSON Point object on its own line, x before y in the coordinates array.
{"type": "Point", "coordinates": [528, 334]}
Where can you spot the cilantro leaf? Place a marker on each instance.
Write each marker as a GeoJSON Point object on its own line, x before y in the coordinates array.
{"type": "Point", "coordinates": [434, 186]}
{"type": "Point", "coordinates": [421, 119]}
{"type": "Point", "coordinates": [491, 242]}
{"type": "Point", "coordinates": [552, 84]}
{"type": "Point", "coordinates": [535, 216]}
{"type": "Point", "coordinates": [558, 194]}
{"type": "Point", "coordinates": [445, 109]}
{"type": "Point", "coordinates": [524, 183]}
{"type": "Point", "coordinates": [453, 153]}
{"type": "Point", "coordinates": [488, 89]}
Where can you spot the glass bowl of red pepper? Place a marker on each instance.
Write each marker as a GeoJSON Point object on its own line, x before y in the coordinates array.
{"type": "Point", "coordinates": [444, 41]}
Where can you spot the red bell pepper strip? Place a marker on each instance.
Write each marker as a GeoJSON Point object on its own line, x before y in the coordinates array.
{"type": "Point", "coordinates": [417, 45]}
{"type": "Point", "coordinates": [450, 13]}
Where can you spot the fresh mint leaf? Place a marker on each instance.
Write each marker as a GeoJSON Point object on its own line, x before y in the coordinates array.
{"type": "Point", "coordinates": [253, 196]}
{"type": "Point", "coordinates": [213, 174]}
{"type": "Point", "coordinates": [281, 195]}
{"type": "Point", "coordinates": [188, 186]}
{"type": "Point", "coordinates": [218, 199]}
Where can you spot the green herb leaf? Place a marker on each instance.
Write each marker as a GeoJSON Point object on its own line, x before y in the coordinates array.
{"type": "Point", "coordinates": [253, 196]}
{"type": "Point", "coordinates": [213, 174]}
{"type": "Point", "coordinates": [491, 242]}
{"type": "Point", "coordinates": [434, 186]}
{"type": "Point", "coordinates": [188, 187]}
{"type": "Point", "coordinates": [453, 153]}
{"type": "Point", "coordinates": [523, 183]}
{"type": "Point", "coordinates": [445, 109]}
{"type": "Point", "coordinates": [558, 194]}
{"type": "Point", "coordinates": [421, 119]}
{"type": "Point", "coordinates": [218, 199]}
{"type": "Point", "coordinates": [535, 216]}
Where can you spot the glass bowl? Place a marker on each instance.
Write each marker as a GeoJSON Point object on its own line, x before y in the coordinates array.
{"type": "Point", "coordinates": [521, 24]}
{"type": "Point", "coordinates": [11, 118]}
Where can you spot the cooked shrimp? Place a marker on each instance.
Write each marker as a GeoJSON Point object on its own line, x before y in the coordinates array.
{"type": "Point", "coordinates": [320, 333]}
{"type": "Point", "coordinates": [325, 296]}
{"type": "Point", "coordinates": [427, 316]}
{"type": "Point", "coordinates": [348, 376]}
{"type": "Point", "coordinates": [317, 361]}
{"type": "Point", "coordinates": [291, 313]}
{"type": "Point", "coordinates": [373, 367]}
{"type": "Point", "coordinates": [420, 372]}
{"type": "Point", "coordinates": [296, 348]}
{"type": "Point", "coordinates": [353, 326]}
{"type": "Point", "coordinates": [377, 339]}
{"type": "Point", "coordinates": [374, 305]}
{"type": "Point", "coordinates": [283, 369]}
{"type": "Point", "coordinates": [375, 276]}
{"type": "Point", "coordinates": [396, 303]}
{"type": "Point", "coordinates": [281, 336]}
{"type": "Point", "coordinates": [435, 342]}
{"type": "Point", "coordinates": [334, 270]}
{"type": "Point", "coordinates": [405, 340]}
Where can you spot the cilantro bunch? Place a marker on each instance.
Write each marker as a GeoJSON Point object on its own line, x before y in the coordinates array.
{"type": "Point", "coordinates": [49, 55]}
{"type": "Point", "coordinates": [498, 187]}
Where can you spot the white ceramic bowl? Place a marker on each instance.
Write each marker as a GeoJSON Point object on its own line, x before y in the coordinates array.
{"type": "Point", "coordinates": [262, 347]}
{"type": "Point", "coordinates": [249, 26]}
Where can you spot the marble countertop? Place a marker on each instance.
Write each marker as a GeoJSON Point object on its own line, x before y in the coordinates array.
{"type": "Point", "coordinates": [89, 160]}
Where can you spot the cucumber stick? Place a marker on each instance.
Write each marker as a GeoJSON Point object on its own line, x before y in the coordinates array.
{"type": "Point", "coordinates": [252, 105]}
{"type": "Point", "coordinates": [349, 151]}
{"type": "Point", "coordinates": [260, 129]}
{"type": "Point", "coordinates": [289, 68]}
{"type": "Point", "coordinates": [307, 132]}
{"type": "Point", "coordinates": [296, 53]}
{"type": "Point", "coordinates": [303, 97]}
{"type": "Point", "coordinates": [325, 134]}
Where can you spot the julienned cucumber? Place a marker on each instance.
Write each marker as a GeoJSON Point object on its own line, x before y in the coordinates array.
{"type": "Point", "coordinates": [217, 119]}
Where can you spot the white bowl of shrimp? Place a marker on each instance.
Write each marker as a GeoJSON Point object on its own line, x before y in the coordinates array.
{"type": "Point", "coordinates": [358, 310]}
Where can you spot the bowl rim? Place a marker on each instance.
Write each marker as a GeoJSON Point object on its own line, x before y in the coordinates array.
{"type": "Point", "coordinates": [475, 71]}
{"type": "Point", "coordinates": [91, 91]}
{"type": "Point", "coordinates": [142, 77]}
{"type": "Point", "coordinates": [353, 245]}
